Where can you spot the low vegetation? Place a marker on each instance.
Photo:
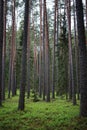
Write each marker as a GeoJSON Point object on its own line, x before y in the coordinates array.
{"type": "Point", "coordinates": [59, 114]}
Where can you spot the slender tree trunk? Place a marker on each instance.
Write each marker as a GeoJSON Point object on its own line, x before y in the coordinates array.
{"type": "Point", "coordinates": [28, 58]}
{"type": "Point", "coordinates": [57, 37]}
{"type": "Point", "coordinates": [72, 86]}
{"type": "Point", "coordinates": [1, 47]}
{"type": "Point", "coordinates": [21, 104]}
{"type": "Point", "coordinates": [13, 52]}
{"type": "Point", "coordinates": [43, 58]}
{"type": "Point", "coordinates": [86, 14]}
{"type": "Point", "coordinates": [69, 44]}
{"type": "Point", "coordinates": [76, 48]}
{"type": "Point", "coordinates": [4, 50]}
{"type": "Point", "coordinates": [47, 55]}
{"type": "Point", "coordinates": [35, 60]}
{"type": "Point", "coordinates": [35, 64]}
{"type": "Point", "coordinates": [40, 56]}
{"type": "Point", "coordinates": [10, 66]}
{"type": "Point", "coordinates": [55, 26]}
{"type": "Point", "coordinates": [82, 58]}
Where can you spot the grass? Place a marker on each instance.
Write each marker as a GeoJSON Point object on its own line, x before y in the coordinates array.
{"type": "Point", "coordinates": [56, 115]}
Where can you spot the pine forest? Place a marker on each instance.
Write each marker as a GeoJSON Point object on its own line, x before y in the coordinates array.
{"type": "Point", "coordinates": [43, 64]}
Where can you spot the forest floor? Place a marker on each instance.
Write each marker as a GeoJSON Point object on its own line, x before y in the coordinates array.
{"type": "Point", "coordinates": [59, 114]}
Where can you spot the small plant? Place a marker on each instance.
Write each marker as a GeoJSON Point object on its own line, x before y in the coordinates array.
{"type": "Point", "coordinates": [35, 96]}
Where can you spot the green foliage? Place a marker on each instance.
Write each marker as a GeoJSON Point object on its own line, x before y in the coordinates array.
{"type": "Point", "coordinates": [62, 58]}
{"type": "Point", "coordinates": [56, 115]}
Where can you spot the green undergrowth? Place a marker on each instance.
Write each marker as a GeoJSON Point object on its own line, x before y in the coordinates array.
{"type": "Point", "coordinates": [56, 115]}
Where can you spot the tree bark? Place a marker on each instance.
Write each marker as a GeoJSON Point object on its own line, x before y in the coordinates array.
{"type": "Point", "coordinates": [21, 104]}
{"type": "Point", "coordinates": [71, 78]}
{"type": "Point", "coordinates": [54, 67]}
{"type": "Point", "coordinates": [40, 55]}
{"type": "Point", "coordinates": [28, 57]}
{"type": "Point", "coordinates": [4, 50]}
{"type": "Point", "coordinates": [47, 55]}
{"type": "Point", "coordinates": [1, 47]}
{"type": "Point", "coordinates": [82, 58]}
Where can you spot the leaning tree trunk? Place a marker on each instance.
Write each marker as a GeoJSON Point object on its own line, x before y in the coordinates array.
{"type": "Point", "coordinates": [21, 104]}
{"type": "Point", "coordinates": [4, 51]}
{"type": "Point", "coordinates": [1, 47]}
{"type": "Point", "coordinates": [82, 58]}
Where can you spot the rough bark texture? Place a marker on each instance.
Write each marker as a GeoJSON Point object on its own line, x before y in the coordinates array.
{"type": "Point", "coordinates": [82, 58]}
{"type": "Point", "coordinates": [24, 59]}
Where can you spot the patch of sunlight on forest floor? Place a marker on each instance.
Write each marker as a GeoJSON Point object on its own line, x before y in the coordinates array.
{"type": "Point", "coordinates": [59, 114]}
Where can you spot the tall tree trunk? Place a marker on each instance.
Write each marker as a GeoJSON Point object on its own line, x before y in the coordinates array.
{"type": "Point", "coordinates": [4, 50]}
{"type": "Point", "coordinates": [55, 43]}
{"type": "Point", "coordinates": [76, 49]}
{"type": "Point", "coordinates": [69, 44]}
{"type": "Point", "coordinates": [47, 54]}
{"type": "Point", "coordinates": [35, 59]}
{"type": "Point", "coordinates": [43, 56]}
{"type": "Point", "coordinates": [12, 78]}
{"type": "Point", "coordinates": [21, 104]}
{"type": "Point", "coordinates": [13, 51]}
{"type": "Point", "coordinates": [57, 37]}
{"type": "Point", "coordinates": [40, 56]}
{"type": "Point", "coordinates": [28, 58]}
{"type": "Point", "coordinates": [1, 47]}
{"type": "Point", "coordinates": [72, 86]}
{"type": "Point", "coordinates": [86, 14]}
{"type": "Point", "coordinates": [10, 66]}
{"type": "Point", "coordinates": [82, 58]}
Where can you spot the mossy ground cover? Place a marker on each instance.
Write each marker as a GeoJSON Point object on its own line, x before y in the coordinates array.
{"type": "Point", "coordinates": [59, 114]}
